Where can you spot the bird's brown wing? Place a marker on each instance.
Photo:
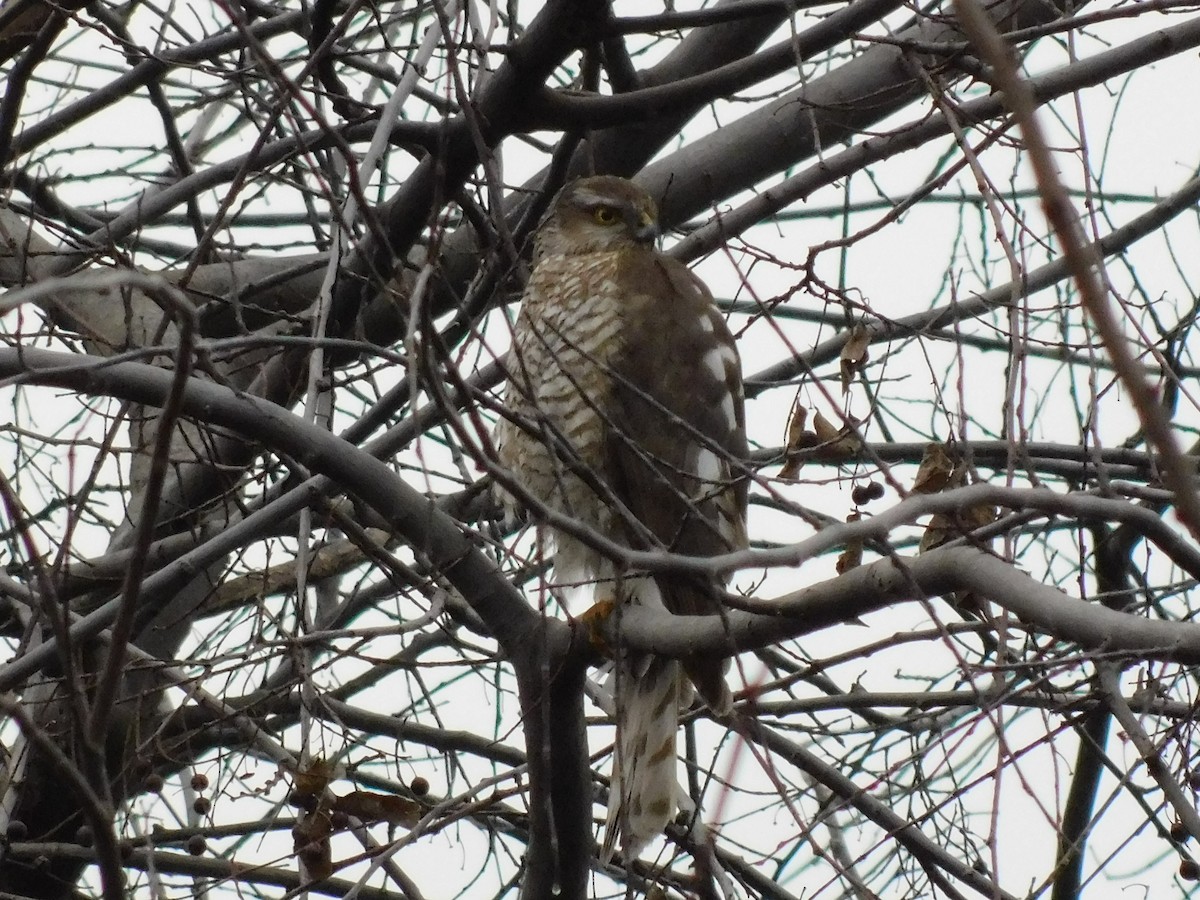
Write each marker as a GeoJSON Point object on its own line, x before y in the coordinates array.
{"type": "Point", "coordinates": [676, 436]}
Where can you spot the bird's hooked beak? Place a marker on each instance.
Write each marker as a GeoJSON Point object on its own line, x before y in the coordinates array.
{"type": "Point", "coordinates": [645, 230]}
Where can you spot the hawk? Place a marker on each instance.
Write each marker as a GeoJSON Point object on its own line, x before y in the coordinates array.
{"type": "Point", "coordinates": [628, 417]}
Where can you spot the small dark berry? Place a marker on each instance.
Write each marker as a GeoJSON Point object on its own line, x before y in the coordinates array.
{"type": "Point", "coordinates": [1189, 870]}
{"type": "Point", "coordinates": [862, 494]}
{"type": "Point", "coordinates": [125, 848]}
{"type": "Point", "coordinates": [196, 845]}
{"type": "Point", "coordinates": [419, 786]}
{"type": "Point", "coordinates": [1179, 832]}
{"type": "Point", "coordinates": [339, 819]}
{"type": "Point", "coordinates": [202, 806]}
{"type": "Point", "coordinates": [84, 836]}
{"type": "Point", "coordinates": [1194, 781]}
{"type": "Point", "coordinates": [17, 830]}
{"type": "Point", "coordinates": [153, 782]}
{"type": "Point", "coordinates": [199, 782]}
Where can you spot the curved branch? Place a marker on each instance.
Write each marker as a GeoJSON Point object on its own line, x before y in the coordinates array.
{"type": "Point", "coordinates": [878, 527]}
{"type": "Point", "coordinates": [417, 519]}
{"type": "Point", "coordinates": [555, 109]}
{"type": "Point", "coordinates": [930, 854]}
{"type": "Point", "coordinates": [143, 73]}
{"type": "Point", "coordinates": [550, 674]}
{"type": "Point", "coordinates": [148, 859]}
{"type": "Point", "coordinates": [500, 109]}
{"type": "Point", "coordinates": [889, 582]}
{"type": "Point", "coordinates": [820, 114]}
{"type": "Point", "coordinates": [1048, 86]}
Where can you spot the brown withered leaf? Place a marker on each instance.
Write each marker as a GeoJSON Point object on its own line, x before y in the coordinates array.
{"type": "Point", "coordinates": [791, 468]}
{"type": "Point", "coordinates": [316, 777]}
{"type": "Point", "coordinates": [310, 840]}
{"type": "Point", "coordinates": [944, 527]}
{"type": "Point", "coordinates": [854, 354]}
{"type": "Point", "coordinates": [936, 470]}
{"type": "Point", "coordinates": [835, 443]}
{"type": "Point", "coordinates": [851, 556]}
{"type": "Point", "coordinates": [825, 430]}
{"type": "Point", "coordinates": [371, 807]}
{"type": "Point", "coordinates": [795, 427]}
{"type": "Point", "coordinates": [825, 441]}
{"type": "Point", "coordinates": [939, 530]}
{"type": "Point", "coordinates": [977, 516]}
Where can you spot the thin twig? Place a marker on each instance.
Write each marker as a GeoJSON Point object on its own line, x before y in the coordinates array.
{"type": "Point", "coordinates": [98, 812]}
{"type": "Point", "coordinates": [175, 302]}
{"type": "Point", "coordinates": [1082, 259]}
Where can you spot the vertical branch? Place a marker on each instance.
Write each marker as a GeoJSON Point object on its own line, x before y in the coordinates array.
{"type": "Point", "coordinates": [93, 807]}
{"type": "Point", "coordinates": [146, 522]}
{"type": "Point", "coordinates": [550, 676]}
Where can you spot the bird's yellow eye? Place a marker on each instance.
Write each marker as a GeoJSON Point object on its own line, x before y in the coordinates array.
{"type": "Point", "coordinates": [605, 215]}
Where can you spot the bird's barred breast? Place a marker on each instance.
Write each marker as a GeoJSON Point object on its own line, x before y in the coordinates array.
{"type": "Point", "coordinates": [569, 333]}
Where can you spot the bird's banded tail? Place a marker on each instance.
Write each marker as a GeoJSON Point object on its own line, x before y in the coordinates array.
{"type": "Point", "coordinates": [643, 793]}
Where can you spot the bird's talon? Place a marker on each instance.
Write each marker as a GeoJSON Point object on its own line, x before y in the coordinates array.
{"type": "Point", "coordinates": [594, 619]}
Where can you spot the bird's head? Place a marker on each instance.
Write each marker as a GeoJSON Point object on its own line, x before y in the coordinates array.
{"type": "Point", "coordinates": [598, 214]}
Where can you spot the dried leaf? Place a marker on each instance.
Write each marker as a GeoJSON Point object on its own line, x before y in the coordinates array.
{"type": "Point", "coordinates": [371, 807]}
{"type": "Point", "coordinates": [947, 526]}
{"type": "Point", "coordinates": [310, 840]}
{"type": "Point", "coordinates": [854, 354]}
{"type": "Point", "coordinates": [827, 433]}
{"type": "Point", "coordinates": [795, 427]}
{"type": "Point", "coordinates": [826, 442]}
{"type": "Point", "coordinates": [833, 443]}
{"type": "Point", "coordinates": [939, 530]}
{"type": "Point", "coordinates": [977, 516]}
{"type": "Point", "coordinates": [851, 557]}
{"type": "Point", "coordinates": [935, 471]}
{"type": "Point", "coordinates": [316, 777]}
{"type": "Point", "coordinates": [791, 468]}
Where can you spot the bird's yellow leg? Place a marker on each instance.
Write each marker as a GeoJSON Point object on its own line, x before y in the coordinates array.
{"type": "Point", "coordinates": [594, 618]}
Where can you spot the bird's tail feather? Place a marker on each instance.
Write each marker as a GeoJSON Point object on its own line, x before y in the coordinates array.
{"type": "Point", "coordinates": [643, 794]}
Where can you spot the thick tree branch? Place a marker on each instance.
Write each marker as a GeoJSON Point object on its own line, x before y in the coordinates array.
{"type": "Point", "coordinates": [1079, 74]}
{"type": "Point", "coordinates": [889, 582]}
{"type": "Point", "coordinates": [818, 115]}
{"type": "Point", "coordinates": [417, 519]}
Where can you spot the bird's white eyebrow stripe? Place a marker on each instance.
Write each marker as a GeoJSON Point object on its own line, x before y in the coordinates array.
{"type": "Point", "coordinates": [590, 199]}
